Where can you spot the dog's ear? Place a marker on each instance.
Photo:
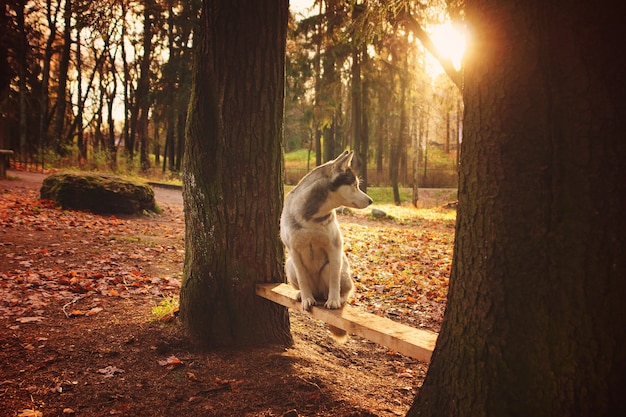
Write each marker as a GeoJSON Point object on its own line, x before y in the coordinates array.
{"type": "Point", "coordinates": [343, 161]}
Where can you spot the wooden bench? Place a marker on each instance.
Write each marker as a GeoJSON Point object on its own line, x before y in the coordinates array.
{"type": "Point", "coordinates": [4, 162]}
{"type": "Point", "coordinates": [416, 343]}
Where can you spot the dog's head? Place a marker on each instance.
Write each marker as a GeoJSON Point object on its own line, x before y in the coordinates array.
{"type": "Point", "coordinates": [344, 184]}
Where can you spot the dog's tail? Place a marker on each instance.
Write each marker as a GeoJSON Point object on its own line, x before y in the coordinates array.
{"type": "Point", "coordinates": [338, 334]}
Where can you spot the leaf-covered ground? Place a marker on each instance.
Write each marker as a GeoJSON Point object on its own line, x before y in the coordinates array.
{"type": "Point", "coordinates": [402, 264]}
{"type": "Point", "coordinates": [85, 327]}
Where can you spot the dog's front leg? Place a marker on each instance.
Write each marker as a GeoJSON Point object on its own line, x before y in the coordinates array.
{"type": "Point", "coordinates": [297, 268]}
{"type": "Point", "coordinates": [334, 269]}
{"type": "Point", "coordinates": [306, 296]}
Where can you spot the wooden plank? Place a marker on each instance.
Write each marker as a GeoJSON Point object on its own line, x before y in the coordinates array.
{"type": "Point", "coordinates": [416, 343]}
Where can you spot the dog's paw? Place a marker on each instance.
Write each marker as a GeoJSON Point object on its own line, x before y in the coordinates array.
{"type": "Point", "coordinates": [332, 304]}
{"type": "Point", "coordinates": [307, 303]}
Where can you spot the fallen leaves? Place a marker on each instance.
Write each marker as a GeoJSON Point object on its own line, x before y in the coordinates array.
{"type": "Point", "coordinates": [170, 362]}
{"type": "Point", "coordinates": [106, 258]}
{"type": "Point", "coordinates": [25, 320]}
{"type": "Point", "coordinates": [110, 371]}
{"type": "Point", "coordinates": [30, 412]}
{"type": "Point", "coordinates": [401, 264]}
{"type": "Point", "coordinates": [90, 312]}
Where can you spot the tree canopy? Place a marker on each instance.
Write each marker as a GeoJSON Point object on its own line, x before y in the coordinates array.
{"type": "Point", "coordinates": [86, 83]}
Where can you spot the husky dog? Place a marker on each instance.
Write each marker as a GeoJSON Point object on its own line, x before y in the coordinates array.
{"type": "Point", "coordinates": [317, 265]}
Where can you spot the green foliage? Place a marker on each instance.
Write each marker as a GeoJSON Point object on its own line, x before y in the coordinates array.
{"type": "Point", "coordinates": [166, 309]}
{"type": "Point", "coordinates": [384, 195]}
{"type": "Point", "coordinates": [298, 157]}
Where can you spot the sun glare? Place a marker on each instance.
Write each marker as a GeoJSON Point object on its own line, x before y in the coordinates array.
{"type": "Point", "coordinates": [450, 39]}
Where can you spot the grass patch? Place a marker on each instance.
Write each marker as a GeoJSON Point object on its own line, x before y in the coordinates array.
{"type": "Point", "coordinates": [299, 157]}
{"type": "Point", "coordinates": [384, 195]}
{"type": "Point", "coordinates": [166, 310]}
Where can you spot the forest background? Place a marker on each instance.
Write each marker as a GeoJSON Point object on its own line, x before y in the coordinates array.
{"type": "Point", "coordinates": [105, 86]}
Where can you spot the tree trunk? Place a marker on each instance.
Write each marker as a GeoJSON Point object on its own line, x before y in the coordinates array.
{"type": "Point", "coordinates": [365, 133]}
{"type": "Point", "coordinates": [535, 323]}
{"type": "Point", "coordinates": [394, 153]}
{"type": "Point", "coordinates": [357, 105]}
{"type": "Point", "coordinates": [233, 188]}
{"type": "Point", "coordinates": [398, 141]}
{"type": "Point", "coordinates": [180, 140]}
{"type": "Point", "coordinates": [381, 135]}
{"type": "Point", "coordinates": [61, 105]}
{"type": "Point", "coordinates": [458, 132]}
{"type": "Point", "coordinates": [23, 90]}
{"type": "Point", "coordinates": [111, 147]}
{"type": "Point", "coordinates": [142, 103]}
{"type": "Point", "coordinates": [80, 138]}
{"type": "Point", "coordinates": [129, 141]}
{"type": "Point", "coordinates": [44, 98]}
{"type": "Point", "coordinates": [317, 65]}
{"type": "Point", "coordinates": [416, 145]}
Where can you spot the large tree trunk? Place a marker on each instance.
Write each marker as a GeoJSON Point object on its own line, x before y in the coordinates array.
{"type": "Point", "coordinates": [233, 189]}
{"type": "Point", "coordinates": [535, 324]}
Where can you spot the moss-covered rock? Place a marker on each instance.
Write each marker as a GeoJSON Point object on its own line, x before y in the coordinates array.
{"type": "Point", "coordinates": [98, 193]}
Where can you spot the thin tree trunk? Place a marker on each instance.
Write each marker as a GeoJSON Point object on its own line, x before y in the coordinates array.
{"type": "Point", "coordinates": [180, 141]}
{"type": "Point", "coordinates": [317, 65]}
{"type": "Point", "coordinates": [380, 143]}
{"type": "Point", "coordinates": [448, 132]}
{"type": "Point", "coordinates": [356, 95]}
{"type": "Point", "coordinates": [396, 145]}
{"type": "Point", "coordinates": [61, 104]}
{"type": "Point", "coordinates": [459, 132]}
{"type": "Point", "coordinates": [82, 147]}
{"type": "Point", "coordinates": [364, 155]}
{"type": "Point", "coordinates": [142, 104]}
{"type": "Point", "coordinates": [129, 140]}
{"type": "Point", "coordinates": [111, 147]}
{"type": "Point", "coordinates": [45, 79]}
{"type": "Point", "coordinates": [399, 140]}
{"type": "Point", "coordinates": [416, 145]}
{"type": "Point", "coordinates": [23, 91]}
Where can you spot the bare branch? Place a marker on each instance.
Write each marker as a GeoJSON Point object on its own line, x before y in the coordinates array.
{"type": "Point", "coordinates": [446, 64]}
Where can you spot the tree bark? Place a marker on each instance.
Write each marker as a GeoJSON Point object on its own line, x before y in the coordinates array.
{"type": "Point", "coordinates": [398, 141]}
{"type": "Point", "coordinates": [365, 132]}
{"type": "Point", "coordinates": [44, 98]}
{"type": "Point", "coordinates": [233, 189]}
{"type": "Point", "coordinates": [78, 121]}
{"type": "Point", "coordinates": [111, 92]}
{"type": "Point", "coordinates": [535, 318]}
{"type": "Point", "coordinates": [142, 99]}
{"type": "Point", "coordinates": [61, 105]}
{"type": "Point", "coordinates": [129, 140]}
